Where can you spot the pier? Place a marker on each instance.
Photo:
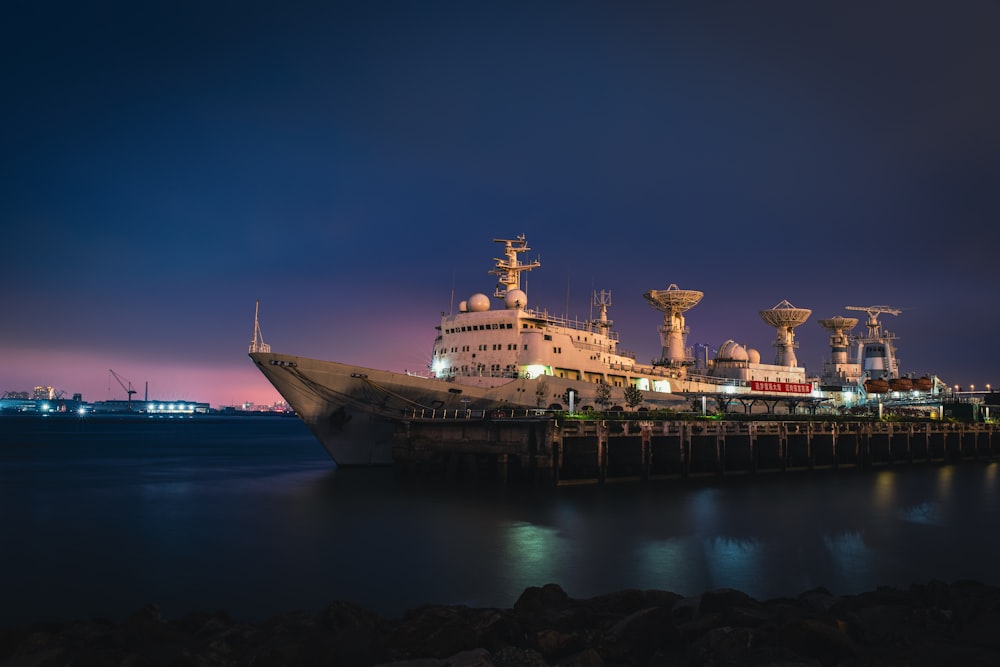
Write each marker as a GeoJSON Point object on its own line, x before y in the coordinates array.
{"type": "Point", "coordinates": [525, 447]}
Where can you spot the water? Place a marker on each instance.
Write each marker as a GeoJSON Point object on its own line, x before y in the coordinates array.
{"type": "Point", "coordinates": [248, 515]}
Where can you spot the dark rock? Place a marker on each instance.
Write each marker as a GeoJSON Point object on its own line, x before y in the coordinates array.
{"type": "Point", "coordinates": [927, 625]}
{"type": "Point", "coordinates": [541, 603]}
{"type": "Point", "coordinates": [722, 646]}
{"type": "Point", "coordinates": [637, 637]}
{"type": "Point", "coordinates": [724, 599]}
{"type": "Point", "coordinates": [554, 644]}
{"type": "Point", "coordinates": [440, 631]}
{"type": "Point", "coordinates": [586, 658]}
{"type": "Point", "coordinates": [984, 630]}
{"type": "Point", "coordinates": [823, 640]}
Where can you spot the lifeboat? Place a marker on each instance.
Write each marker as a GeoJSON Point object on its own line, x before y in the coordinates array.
{"type": "Point", "coordinates": [876, 386]}
{"type": "Point", "coordinates": [900, 384]}
{"type": "Point", "coordinates": [923, 384]}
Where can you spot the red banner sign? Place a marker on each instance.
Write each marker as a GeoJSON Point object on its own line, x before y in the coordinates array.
{"type": "Point", "coordinates": [781, 387]}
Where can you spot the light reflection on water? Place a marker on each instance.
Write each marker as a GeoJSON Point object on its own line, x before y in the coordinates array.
{"type": "Point", "coordinates": [850, 558]}
{"type": "Point", "coordinates": [262, 524]}
{"type": "Point", "coordinates": [733, 562]}
{"type": "Point", "coordinates": [532, 552]}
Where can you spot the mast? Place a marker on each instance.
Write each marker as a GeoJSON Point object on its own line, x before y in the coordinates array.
{"type": "Point", "coordinates": [258, 344]}
{"type": "Point", "coordinates": [508, 268]}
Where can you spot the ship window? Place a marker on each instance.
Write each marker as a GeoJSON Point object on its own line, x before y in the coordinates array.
{"type": "Point", "coordinates": [548, 337]}
{"type": "Point", "coordinates": [525, 346]}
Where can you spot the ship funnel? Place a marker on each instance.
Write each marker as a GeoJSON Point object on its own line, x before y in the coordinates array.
{"type": "Point", "coordinates": [784, 317]}
{"type": "Point", "coordinates": [673, 302]}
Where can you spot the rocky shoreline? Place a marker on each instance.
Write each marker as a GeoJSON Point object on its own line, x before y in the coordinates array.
{"type": "Point", "coordinates": [928, 624]}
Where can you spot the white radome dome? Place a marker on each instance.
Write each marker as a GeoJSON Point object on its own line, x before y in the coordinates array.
{"type": "Point", "coordinates": [515, 299]}
{"type": "Point", "coordinates": [479, 303]}
{"type": "Point", "coordinates": [463, 306]}
{"type": "Point", "coordinates": [753, 356]}
{"type": "Point", "coordinates": [732, 351]}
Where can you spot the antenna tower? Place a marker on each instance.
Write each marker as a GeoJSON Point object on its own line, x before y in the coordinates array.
{"type": "Point", "coordinates": [602, 300]}
{"type": "Point", "coordinates": [508, 268]}
{"type": "Point", "coordinates": [784, 317]}
{"type": "Point", "coordinates": [673, 302]}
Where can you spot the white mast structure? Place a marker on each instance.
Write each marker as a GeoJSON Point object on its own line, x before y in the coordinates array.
{"type": "Point", "coordinates": [877, 351]}
{"type": "Point", "coordinates": [508, 268]}
{"type": "Point", "coordinates": [602, 300]}
{"type": "Point", "coordinates": [784, 317]}
{"type": "Point", "coordinates": [258, 344]}
{"type": "Point", "coordinates": [673, 302]}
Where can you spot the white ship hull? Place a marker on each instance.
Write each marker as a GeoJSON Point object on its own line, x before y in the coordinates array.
{"type": "Point", "coordinates": [351, 409]}
{"type": "Point", "coordinates": [516, 358]}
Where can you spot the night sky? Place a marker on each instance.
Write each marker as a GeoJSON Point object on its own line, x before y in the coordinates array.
{"type": "Point", "coordinates": [164, 165]}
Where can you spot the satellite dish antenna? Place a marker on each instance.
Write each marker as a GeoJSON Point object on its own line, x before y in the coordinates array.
{"type": "Point", "coordinates": [784, 317]}
{"type": "Point", "coordinates": [840, 339]}
{"type": "Point", "coordinates": [673, 302]}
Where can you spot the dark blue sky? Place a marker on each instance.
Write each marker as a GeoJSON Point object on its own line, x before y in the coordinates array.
{"type": "Point", "coordinates": [166, 164]}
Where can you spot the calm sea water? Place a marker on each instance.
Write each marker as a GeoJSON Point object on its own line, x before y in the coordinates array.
{"type": "Point", "coordinates": [249, 515]}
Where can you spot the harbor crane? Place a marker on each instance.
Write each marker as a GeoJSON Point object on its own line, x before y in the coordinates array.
{"type": "Point", "coordinates": [128, 389]}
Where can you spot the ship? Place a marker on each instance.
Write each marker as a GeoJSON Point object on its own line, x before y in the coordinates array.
{"type": "Point", "coordinates": [498, 357]}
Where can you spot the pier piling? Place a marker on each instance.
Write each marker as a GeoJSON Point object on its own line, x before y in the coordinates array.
{"type": "Point", "coordinates": [545, 450]}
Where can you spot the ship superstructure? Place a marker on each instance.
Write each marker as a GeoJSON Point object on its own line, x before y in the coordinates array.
{"type": "Point", "coordinates": [480, 346]}
{"type": "Point", "coordinates": [487, 358]}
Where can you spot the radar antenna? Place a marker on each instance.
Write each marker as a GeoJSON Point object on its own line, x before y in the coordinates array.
{"type": "Point", "coordinates": [602, 300]}
{"type": "Point", "coordinates": [784, 317]}
{"type": "Point", "coordinates": [874, 326]}
{"type": "Point", "coordinates": [509, 268]}
{"type": "Point", "coordinates": [673, 302]}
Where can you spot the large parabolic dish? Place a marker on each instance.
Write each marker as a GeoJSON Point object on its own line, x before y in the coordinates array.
{"type": "Point", "coordinates": [839, 323]}
{"type": "Point", "coordinates": [674, 302]}
{"type": "Point", "coordinates": [673, 299]}
{"type": "Point", "coordinates": [784, 317]}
